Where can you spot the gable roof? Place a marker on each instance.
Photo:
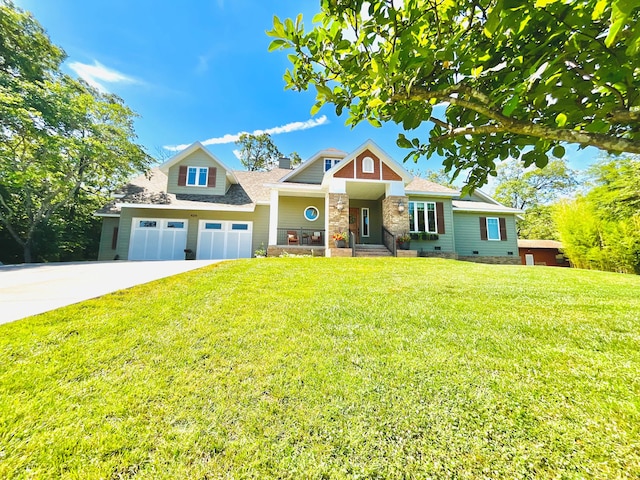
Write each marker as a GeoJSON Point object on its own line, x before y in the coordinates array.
{"type": "Point", "coordinates": [525, 243]}
{"type": "Point", "coordinates": [150, 191]}
{"type": "Point", "coordinates": [318, 156]}
{"type": "Point", "coordinates": [194, 147]}
{"type": "Point", "coordinates": [376, 150]}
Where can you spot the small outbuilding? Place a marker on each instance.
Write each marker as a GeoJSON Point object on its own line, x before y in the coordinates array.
{"type": "Point", "coordinates": [542, 252]}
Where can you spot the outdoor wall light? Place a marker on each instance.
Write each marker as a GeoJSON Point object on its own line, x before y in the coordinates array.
{"type": "Point", "coordinates": [400, 206]}
{"type": "Point", "coordinates": [340, 205]}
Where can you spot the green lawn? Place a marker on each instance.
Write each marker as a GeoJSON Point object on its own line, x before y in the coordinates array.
{"type": "Point", "coordinates": [331, 368]}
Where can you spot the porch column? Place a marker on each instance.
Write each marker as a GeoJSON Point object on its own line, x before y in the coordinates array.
{"type": "Point", "coordinates": [338, 220]}
{"type": "Point", "coordinates": [393, 220]}
{"type": "Point", "coordinates": [273, 217]}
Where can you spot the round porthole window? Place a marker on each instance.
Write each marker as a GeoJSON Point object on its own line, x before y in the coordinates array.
{"type": "Point", "coordinates": [311, 214]}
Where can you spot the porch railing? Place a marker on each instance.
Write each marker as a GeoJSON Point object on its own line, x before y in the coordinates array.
{"type": "Point", "coordinates": [389, 240]}
{"type": "Point", "coordinates": [301, 236]}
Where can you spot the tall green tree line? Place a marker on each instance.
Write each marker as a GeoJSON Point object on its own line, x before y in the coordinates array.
{"type": "Point", "coordinates": [64, 147]}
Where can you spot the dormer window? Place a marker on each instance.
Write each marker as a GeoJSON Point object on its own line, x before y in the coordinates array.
{"type": "Point", "coordinates": [330, 162]}
{"type": "Point", "coordinates": [197, 176]}
{"type": "Point", "coordinates": [367, 165]}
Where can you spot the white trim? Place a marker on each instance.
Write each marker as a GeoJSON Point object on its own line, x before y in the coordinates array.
{"type": "Point", "coordinates": [273, 217]}
{"type": "Point", "coordinates": [304, 213]}
{"type": "Point", "coordinates": [200, 206]}
{"type": "Point", "coordinates": [413, 228]}
{"type": "Point", "coordinates": [378, 152]}
{"type": "Point", "coordinates": [312, 187]}
{"type": "Point", "coordinates": [481, 209]}
{"type": "Point", "coordinates": [110, 215]}
{"type": "Point", "coordinates": [370, 163]}
{"type": "Point", "coordinates": [362, 222]}
{"type": "Point", "coordinates": [486, 197]}
{"type": "Point", "coordinates": [197, 177]}
{"type": "Point", "coordinates": [432, 194]}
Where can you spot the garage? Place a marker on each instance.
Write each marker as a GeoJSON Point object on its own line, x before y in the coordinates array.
{"type": "Point", "coordinates": [224, 239]}
{"type": "Point", "coordinates": [158, 239]}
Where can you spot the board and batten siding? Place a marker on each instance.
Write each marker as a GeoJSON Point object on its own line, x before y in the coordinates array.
{"type": "Point", "coordinates": [197, 159]}
{"type": "Point", "coordinates": [445, 241]}
{"type": "Point", "coordinates": [291, 212]}
{"type": "Point", "coordinates": [467, 228]}
{"type": "Point", "coordinates": [260, 219]}
{"type": "Point", "coordinates": [313, 174]}
{"type": "Point", "coordinates": [105, 252]}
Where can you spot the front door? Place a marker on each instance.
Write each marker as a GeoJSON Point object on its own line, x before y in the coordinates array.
{"type": "Point", "coordinates": [354, 222]}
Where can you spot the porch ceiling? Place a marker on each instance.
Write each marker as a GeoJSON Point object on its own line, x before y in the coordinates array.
{"type": "Point", "coordinates": [365, 190]}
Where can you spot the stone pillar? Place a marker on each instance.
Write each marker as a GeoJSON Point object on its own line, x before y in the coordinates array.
{"type": "Point", "coordinates": [394, 221]}
{"type": "Point", "coordinates": [338, 221]}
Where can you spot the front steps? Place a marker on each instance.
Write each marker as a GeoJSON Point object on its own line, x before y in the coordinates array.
{"type": "Point", "coordinates": [363, 250]}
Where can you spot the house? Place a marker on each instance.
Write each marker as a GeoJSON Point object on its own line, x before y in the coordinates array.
{"type": "Point", "coordinates": [193, 206]}
{"type": "Point", "coordinates": [542, 252]}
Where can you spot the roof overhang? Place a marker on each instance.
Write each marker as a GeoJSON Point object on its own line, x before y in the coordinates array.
{"type": "Point", "coordinates": [433, 194]}
{"type": "Point", "coordinates": [482, 209]}
{"type": "Point", "coordinates": [204, 206]}
{"type": "Point", "coordinates": [108, 215]}
{"type": "Point", "coordinates": [381, 154]}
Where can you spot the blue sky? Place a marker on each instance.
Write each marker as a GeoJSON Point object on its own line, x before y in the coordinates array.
{"type": "Point", "coordinates": [200, 70]}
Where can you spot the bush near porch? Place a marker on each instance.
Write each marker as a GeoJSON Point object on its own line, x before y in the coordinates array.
{"type": "Point", "coordinates": [331, 368]}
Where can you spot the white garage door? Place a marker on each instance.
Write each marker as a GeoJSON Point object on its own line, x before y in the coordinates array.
{"type": "Point", "coordinates": [158, 239]}
{"type": "Point", "coordinates": [224, 239]}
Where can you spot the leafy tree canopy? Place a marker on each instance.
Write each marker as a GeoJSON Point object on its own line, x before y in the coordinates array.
{"type": "Point", "coordinates": [259, 153]}
{"type": "Point", "coordinates": [489, 79]}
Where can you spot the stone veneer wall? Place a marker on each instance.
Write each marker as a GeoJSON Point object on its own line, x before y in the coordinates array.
{"type": "Point", "coordinates": [514, 260]}
{"type": "Point", "coordinates": [339, 252]}
{"type": "Point", "coordinates": [338, 220]}
{"type": "Point", "coordinates": [394, 221]}
{"type": "Point", "coordinates": [276, 251]}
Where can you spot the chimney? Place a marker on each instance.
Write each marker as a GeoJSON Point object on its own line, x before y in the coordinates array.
{"type": "Point", "coordinates": [284, 162]}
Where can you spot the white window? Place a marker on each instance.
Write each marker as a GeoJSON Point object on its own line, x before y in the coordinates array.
{"type": "Point", "coordinates": [365, 222]}
{"type": "Point", "coordinates": [197, 176]}
{"type": "Point", "coordinates": [330, 162]}
{"type": "Point", "coordinates": [311, 213]}
{"type": "Point", "coordinates": [422, 217]}
{"type": "Point", "coordinates": [493, 229]}
{"type": "Point", "coordinates": [367, 165]}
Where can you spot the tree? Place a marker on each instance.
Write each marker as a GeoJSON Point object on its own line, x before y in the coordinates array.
{"type": "Point", "coordinates": [491, 79]}
{"type": "Point", "coordinates": [259, 153]}
{"type": "Point", "coordinates": [523, 188]}
{"type": "Point", "coordinates": [601, 229]}
{"type": "Point", "coordinates": [63, 145]}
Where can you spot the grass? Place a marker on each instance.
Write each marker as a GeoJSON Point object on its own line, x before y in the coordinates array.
{"type": "Point", "coordinates": [331, 368]}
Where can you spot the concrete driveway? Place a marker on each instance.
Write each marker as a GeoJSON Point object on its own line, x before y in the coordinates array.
{"type": "Point", "coordinates": [30, 289]}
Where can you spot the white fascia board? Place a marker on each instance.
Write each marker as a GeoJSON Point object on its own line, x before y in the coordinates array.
{"type": "Point", "coordinates": [218, 208]}
{"type": "Point", "coordinates": [313, 159]}
{"type": "Point", "coordinates": [188, 151]}
{"type": "Point", "coordinates": [487, 210]}
{"type": "Point", "coordinates": [432, 194]}
{"type": "Point", "coordinates": [295, 187]}
{"type": "Point", "coordinates": [110, 215]}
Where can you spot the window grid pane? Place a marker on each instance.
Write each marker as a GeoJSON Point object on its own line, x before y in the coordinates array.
{"type": "Point", "coordinates": [493, 229]}
{"type": "Point", "coordinates": [202, 180]}
{"type": "Point", "coordinates": [420, 213]}
{"type": "Point", "coordinates": [412, 217]}
{"type": "Point", "coordinates": [191, 177]}
{"type": "Point", "coordinates": [431, 220]}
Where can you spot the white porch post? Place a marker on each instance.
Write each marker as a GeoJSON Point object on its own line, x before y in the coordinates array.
{"type": "Point", "coordinates": [273, 217]}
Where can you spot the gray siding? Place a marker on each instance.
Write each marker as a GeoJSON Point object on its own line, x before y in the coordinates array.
{"type": "Point", "coordinates": [314, 173]}
{"type": "Point", "coordinates": [260, 219]}
{"type": "Point", "coordinates": [375, 219]}
{"type": "Point", "coordinates": [291, 212]}
{"type": "Point", "coordinates": [467, 227]}
{"type": "Point", "coordinates": [445, 241]}
{"type": "Point", "coordinates": [197, 159]}
{"type": "Point", "coordinates": [105, 251]}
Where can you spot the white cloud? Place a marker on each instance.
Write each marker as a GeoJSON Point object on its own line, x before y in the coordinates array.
{"type": "Point", "coordinates": [230, 138]}
{"type": "Point", "coordinates": [97, 74]}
